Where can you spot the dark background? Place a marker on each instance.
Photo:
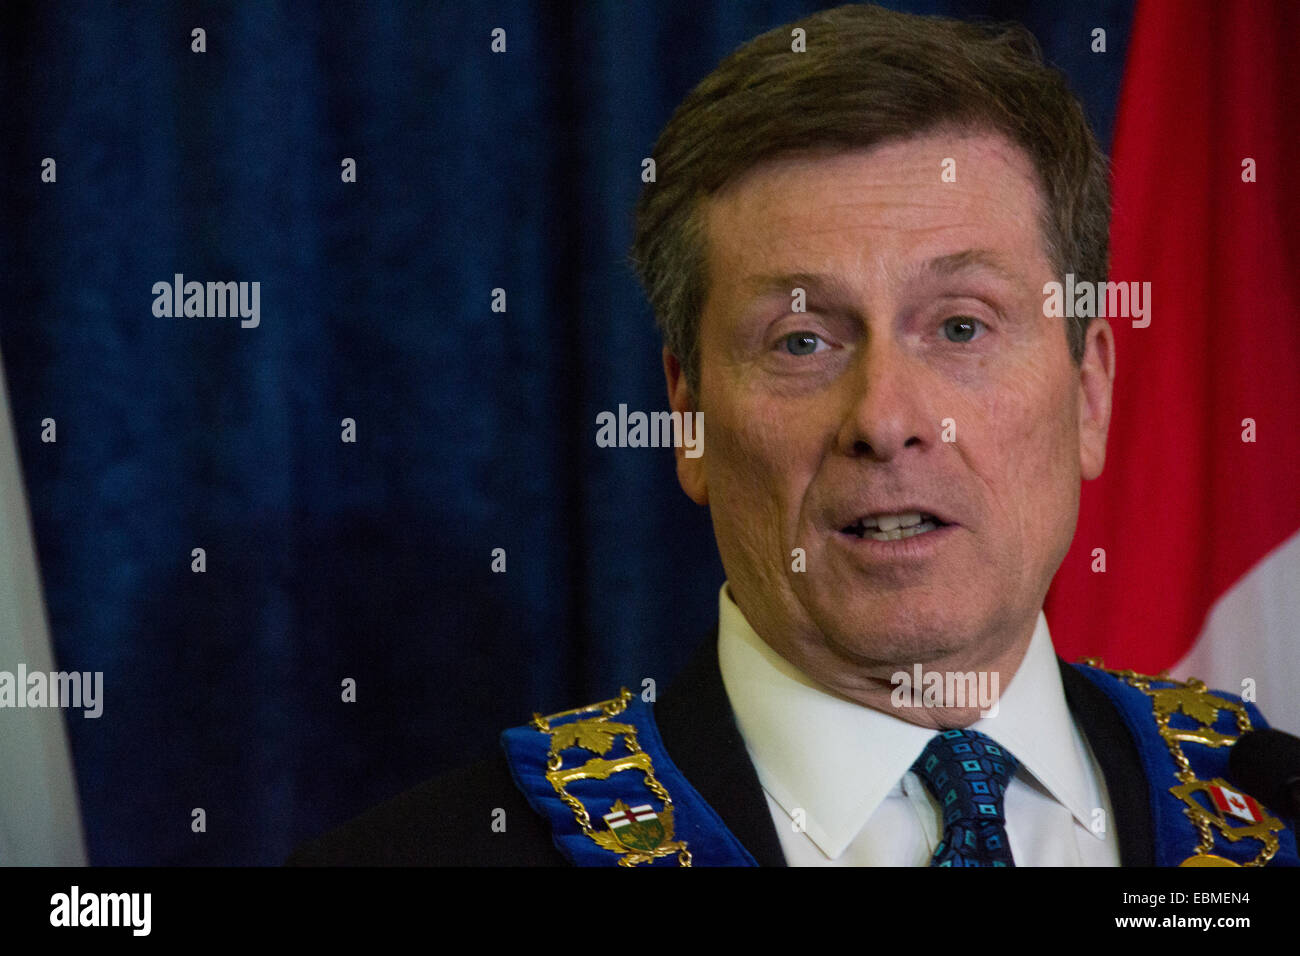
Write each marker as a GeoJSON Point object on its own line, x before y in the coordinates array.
{"type": "Point", "coordinates": [475, 429]}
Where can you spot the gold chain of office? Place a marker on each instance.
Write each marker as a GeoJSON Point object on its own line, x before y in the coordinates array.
{"type": "Point", "coordinates": [1194, 700]}
{"type": "Point", "coordinates": [596, 734]}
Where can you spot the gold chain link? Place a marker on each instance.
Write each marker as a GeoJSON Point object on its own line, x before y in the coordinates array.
{"type": "Point", "coordinates": [555, 763]}
{"type": "Point", "coordinates": [1184, 773]}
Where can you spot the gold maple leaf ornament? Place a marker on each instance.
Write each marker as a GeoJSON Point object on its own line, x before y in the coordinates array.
{"type": "Point", "coordinates": [638, 833]}
{"type": "Point", "coordinates": [592, 734]}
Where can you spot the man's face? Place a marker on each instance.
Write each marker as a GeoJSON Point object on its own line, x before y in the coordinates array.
{"type": "Point", "coordinates": [923, 322]}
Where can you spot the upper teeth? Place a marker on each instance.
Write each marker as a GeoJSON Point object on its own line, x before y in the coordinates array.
{"type": "Point", "coordinates": [893, 527]}
{"type": "Point", "coordinates": [892, 522]}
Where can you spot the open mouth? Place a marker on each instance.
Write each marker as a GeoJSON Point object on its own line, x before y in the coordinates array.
{"type": "Point", "coordinates": [894, 527]}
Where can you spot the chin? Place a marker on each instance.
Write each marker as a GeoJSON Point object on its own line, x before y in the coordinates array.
{"type": "Point", "coordinates": [897, 635]}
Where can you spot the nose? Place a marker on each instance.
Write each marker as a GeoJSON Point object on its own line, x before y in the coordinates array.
{"type": "Point", "coordinates": [885, 407]}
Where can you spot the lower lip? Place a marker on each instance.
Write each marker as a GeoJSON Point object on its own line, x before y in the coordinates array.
{"type": "Point", "coordinates": [919, 547]}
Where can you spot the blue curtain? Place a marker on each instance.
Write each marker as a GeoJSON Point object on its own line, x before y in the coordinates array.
{"type": "Point", "coordinates": [371, 560]}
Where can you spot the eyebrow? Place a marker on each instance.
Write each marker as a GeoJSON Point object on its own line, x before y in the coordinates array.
{"type": "Point", "coordinates": [970, 260]}
{"type": "Point", "coordinates": [834, 287]}
{"type": "Point", "coordinates": [825, 283]}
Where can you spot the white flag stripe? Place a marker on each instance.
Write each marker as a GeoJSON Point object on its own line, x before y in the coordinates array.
{"type": "Point", "coordinates": [1230, 801]}
{"type": "Point", "coordinates": [1238, 805]}
{"type": "Point", "coordinates": [1249, 638]}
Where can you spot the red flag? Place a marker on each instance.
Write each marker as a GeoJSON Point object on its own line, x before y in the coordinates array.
{"type": "Point", "coordinates": [1201, 481]}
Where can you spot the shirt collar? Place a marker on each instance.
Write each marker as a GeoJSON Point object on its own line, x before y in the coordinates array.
{"type": "Point", "coordinates": [837, 761]}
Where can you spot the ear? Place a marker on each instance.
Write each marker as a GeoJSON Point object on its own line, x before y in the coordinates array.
{"type": "Point", "coordinates": [690, 471]}
{"type": "Point", "coordinates": [1096, 380]}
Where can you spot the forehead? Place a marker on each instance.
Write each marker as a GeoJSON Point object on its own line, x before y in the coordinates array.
{"type": "Point", "coordinates": [886, 208]}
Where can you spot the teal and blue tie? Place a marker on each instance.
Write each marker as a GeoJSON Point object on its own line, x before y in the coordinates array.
{"type": "Point", "coordinates": [968, 772]}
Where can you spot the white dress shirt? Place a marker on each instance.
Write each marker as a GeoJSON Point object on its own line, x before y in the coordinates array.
{"type": "Point", "coordinates": [837, 774]}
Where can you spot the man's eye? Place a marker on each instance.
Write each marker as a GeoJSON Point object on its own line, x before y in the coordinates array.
{"type": "Point", "coordinates": [802, 343]}
{"type": "Point", "coordinates": [962, 328]}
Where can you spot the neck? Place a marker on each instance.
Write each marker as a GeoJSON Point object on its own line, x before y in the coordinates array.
{"type": "Point", "coordinates": [940, 690]}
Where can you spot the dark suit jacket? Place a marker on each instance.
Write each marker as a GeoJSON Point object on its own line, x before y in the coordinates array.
{"type": "Point", "coordinates": [448, 820]}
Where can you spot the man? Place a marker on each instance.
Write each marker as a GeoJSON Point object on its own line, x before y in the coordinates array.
{"type": "Point", "coordinates": [847, 246]}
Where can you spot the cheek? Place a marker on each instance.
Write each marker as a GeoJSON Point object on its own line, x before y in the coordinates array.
{"type": "Point", "coordinates": [1036, 456]}
{"type": "Point", "coordinates": [759, 467]}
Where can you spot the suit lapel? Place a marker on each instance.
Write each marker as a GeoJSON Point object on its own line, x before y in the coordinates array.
{"type": "Point", "coordinates": [1126, 781]}
{"type": "Point", "coordinates": [699, 731]}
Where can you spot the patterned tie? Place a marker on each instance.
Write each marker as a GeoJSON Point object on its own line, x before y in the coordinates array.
{"type": "Point", "coordinates": [967, 772]}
